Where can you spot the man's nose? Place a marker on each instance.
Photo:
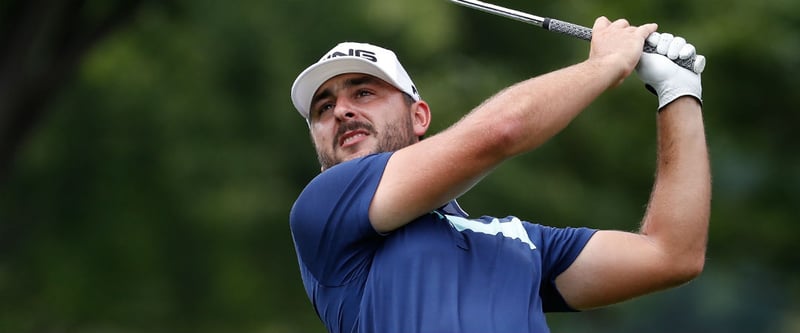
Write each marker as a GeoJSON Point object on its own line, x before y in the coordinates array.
{"type": "Point", "coordinates": [344, 110]}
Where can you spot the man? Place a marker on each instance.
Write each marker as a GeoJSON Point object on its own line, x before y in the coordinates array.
{"type": "Point", "coordinates": [382, 245]}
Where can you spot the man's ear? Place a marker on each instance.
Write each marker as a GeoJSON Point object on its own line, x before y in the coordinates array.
{"type": "Point", "coordinates": [421, 117]}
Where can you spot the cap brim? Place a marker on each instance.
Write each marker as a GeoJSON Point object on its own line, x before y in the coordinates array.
{"type": "Point", "coordinates": [307, 83]}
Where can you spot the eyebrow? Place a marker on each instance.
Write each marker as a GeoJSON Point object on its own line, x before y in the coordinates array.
{"type": "Point", "coordinates": [349, 83]}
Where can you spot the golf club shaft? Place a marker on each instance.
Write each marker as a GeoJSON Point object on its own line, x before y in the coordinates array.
{"type": "Point", "coordinates": [554, 25]}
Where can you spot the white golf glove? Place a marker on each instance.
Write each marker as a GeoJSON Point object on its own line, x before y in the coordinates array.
{"type": "Point", "coordinates": [664, 77]}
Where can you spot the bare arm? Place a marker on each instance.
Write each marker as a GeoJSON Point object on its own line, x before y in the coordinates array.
{"type": "Point", "coordinates": [670, 247]}
{"type": "Point", "coordinates": [426, 175]}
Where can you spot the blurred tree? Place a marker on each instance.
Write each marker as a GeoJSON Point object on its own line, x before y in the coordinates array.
{"type": "Point", "coordinates": [43, 43]}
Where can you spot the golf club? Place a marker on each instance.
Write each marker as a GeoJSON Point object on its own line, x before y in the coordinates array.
{"type": "Point", "coordinates": [695, 64]}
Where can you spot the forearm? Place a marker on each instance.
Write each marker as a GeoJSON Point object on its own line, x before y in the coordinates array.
{"type": "Point", "coordinates": [533, 111]}
{"type": "Point", "coordinates": [529, 113]}
{"type": "Point", "coordinates": [678, 213]}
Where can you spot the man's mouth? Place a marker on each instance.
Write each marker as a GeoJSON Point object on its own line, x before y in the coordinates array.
{"type": "Point", "coordinates": [352, 137]}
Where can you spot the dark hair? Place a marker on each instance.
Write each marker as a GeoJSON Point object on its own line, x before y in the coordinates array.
{"type": "Point", "coordinates": [409, 100]}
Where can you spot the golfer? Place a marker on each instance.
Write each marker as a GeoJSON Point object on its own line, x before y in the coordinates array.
{"type": "Point", "coordinates": [383, 246]}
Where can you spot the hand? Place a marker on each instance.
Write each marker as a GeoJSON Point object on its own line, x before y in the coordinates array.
{"type": "Point", "coordinates": [618, 45]}
{"type": "Point", "coordinates": [664, 77]}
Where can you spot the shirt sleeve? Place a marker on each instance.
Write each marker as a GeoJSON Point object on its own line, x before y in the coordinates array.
{"type": "Point", "coordinates": [560, 248]}
{"type": "Point", "coordinates": [330, 220]}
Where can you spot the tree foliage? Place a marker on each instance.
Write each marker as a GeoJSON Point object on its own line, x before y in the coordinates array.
{"type": "Point", "coordinates": [149, 154]}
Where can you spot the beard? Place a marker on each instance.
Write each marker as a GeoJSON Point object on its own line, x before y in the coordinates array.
{"type": "Point", "coordinates": [394, 137]}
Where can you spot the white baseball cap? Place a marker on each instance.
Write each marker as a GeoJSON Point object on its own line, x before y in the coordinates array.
{"type": "Point", "coordinates": [349, 57]}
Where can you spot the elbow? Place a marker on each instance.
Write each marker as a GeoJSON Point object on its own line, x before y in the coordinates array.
{"type": "Point", "coordinates": [511, 131]}
{"type": "Point", "coordinates": [686, 268]}
{"type": "Point", "coordinates": [697, 266]}
{"type": "Point", "coordinates": [507, 138]}
{"type": "Point", "coordinates": [693, 269]}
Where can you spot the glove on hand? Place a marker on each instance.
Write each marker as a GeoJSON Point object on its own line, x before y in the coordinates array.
{"type": "Point", "coordinates": [665, 78]}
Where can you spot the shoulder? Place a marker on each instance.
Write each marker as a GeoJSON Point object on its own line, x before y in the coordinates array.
{"type": "Point", "coordinates": [361, 167]}
{"type": "Point", "coordinates": [350, 173]}
{"type": "Point", "coordinates": [344, 190]}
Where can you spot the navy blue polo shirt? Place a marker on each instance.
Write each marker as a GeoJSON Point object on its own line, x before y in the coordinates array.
{"type": "Point", "coordinates": [442, 272]}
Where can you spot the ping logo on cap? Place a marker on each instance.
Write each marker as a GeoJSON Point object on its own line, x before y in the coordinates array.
{"type": "Point", "coordinates": [369, 55]}
{"type": "Point", "coordinates": [350, 57]}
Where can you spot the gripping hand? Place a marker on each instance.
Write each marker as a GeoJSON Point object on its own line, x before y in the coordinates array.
{"type": "Point", "coordinates": [663, 76]}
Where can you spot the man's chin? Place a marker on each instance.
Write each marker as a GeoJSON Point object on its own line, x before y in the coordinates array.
{"type": "Point", "coordinates": [355, 155]}
{"type": "Point", "coordinates": [330, 162]}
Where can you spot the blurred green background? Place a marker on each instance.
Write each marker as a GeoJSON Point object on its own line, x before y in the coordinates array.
{"type": "Point", "coordinates": [149, 154]}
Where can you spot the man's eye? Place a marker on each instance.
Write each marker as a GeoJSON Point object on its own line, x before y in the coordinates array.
{"type": "Point", "coordinates": [362, 93]}
{"type": "Point", "coordinates": [326, 107]}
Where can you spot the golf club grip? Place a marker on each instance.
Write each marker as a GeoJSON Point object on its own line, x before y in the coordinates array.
{"type": "Point", "coordinates": [567, 28]}
{"type": "Point", "coordinates": [585, 33]}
